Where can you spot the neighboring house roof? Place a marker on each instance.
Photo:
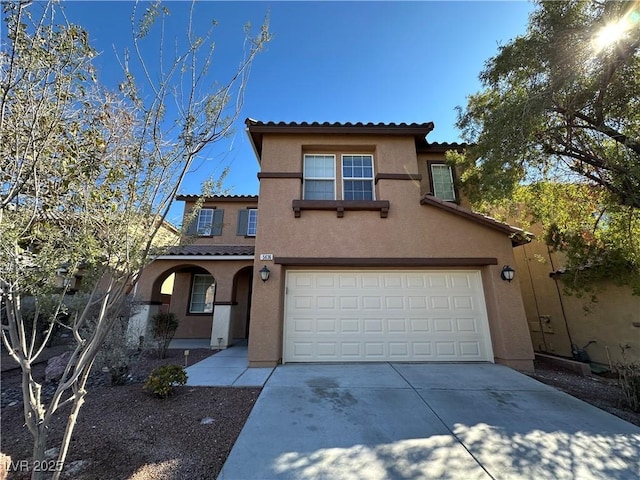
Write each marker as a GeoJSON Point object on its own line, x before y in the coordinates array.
{"type": "Point", "coordinates": [219, 198]}
{"type": "Point", "coordinates": [170, 227]}
{"type": "Point", "coordinates": [211, 250]}
{"type": "Point", "coordinates": [518, 235]}
{"type": "Point", "coordinates": [256, 129]}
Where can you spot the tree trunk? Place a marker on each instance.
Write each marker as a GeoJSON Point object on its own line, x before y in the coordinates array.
{"type": "Point", "coordinates": [39, 447]}
{"type": "Point", "coordinates": [71, 420]}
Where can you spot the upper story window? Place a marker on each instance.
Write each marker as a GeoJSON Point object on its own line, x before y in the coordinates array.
{"type": "Point", "coordinates": [442, 182]}
{"type": "Point", "coordinates": [357, 177]}
{"type": "Point", "coordinates": [205, 221]}
{"type": "Point", "coordinates": [208, 223]}
{"type": "Point", "coordinates": [247, 222]}
{"type": "Point", "coordinates": [319, 177]}
{"type": "Point", "coordinates": [252, 222]}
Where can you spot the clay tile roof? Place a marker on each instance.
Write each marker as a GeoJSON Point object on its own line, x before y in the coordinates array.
{"type": "Point", "coordinates": [212, 250]}
{"type": "Point", "coordinates": [256, 123]}
{"type": "Point", "coordinates": [518, 235]}
{"type": "Point", "coordinates": [219, 198]}
{"type": "Point", "coordinates": [256, 129]}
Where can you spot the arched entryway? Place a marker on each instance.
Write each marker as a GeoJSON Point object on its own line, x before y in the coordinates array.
{"type": "Point", "coordinates": [210, 295]}
{"type": "Point", "coordinates": [241, 300]}
{"type": "Point", "coordinates": [189, 292]}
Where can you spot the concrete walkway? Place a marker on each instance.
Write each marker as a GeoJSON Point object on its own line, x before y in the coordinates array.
{"type": "Point", "coordinates": [227, 368]}
{"type": "Point", "coordinates": [426, 421]}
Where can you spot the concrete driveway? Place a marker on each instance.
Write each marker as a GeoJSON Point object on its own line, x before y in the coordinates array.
{"type": "Point", "coordinates": [449, 421]}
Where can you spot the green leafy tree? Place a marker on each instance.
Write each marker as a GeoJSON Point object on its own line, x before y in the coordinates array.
{"type": "Point", "coordinates": [560, 105]}
{"type": "Point", "coordinates": [87, 176]}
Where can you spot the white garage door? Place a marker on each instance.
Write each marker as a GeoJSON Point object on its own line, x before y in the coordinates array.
{"type": "Point", "coordinates": [338, 316]}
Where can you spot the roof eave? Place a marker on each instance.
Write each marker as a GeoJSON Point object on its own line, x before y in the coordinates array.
{"type": "Point", "coordinates": [256, 129]}
{"type": "Point", "coordinates": [218, 198]}
{"type": "Point", "coordinates": [517, 235]}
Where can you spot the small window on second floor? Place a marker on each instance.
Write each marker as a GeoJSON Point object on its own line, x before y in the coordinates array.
{"type": "Point", "coordinates": [205, 221]}
{"type": "Point", "coordinates": [209, 223]}
{"type": "Point", "coordinates": [442, 182]}
{"type": "Point", "coordinates": [247, 222]}
{"type": "Point", "coordinates": [357, 177]}
{"type": "Point", "coordinates": [319, 177]}
{"type": "Point", "coordinates": [252, 222]}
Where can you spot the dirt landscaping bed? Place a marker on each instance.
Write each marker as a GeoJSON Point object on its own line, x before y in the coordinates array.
{"type": "Point", "coordinates": [125, 433]}
{"type": "Point", "coordinates": [603, 391]}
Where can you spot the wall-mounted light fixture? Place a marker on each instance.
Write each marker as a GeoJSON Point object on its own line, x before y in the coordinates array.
{"type": "Point", "coordinates": [507, 273]}
{"type": "Point", "coordinates": [264, 273]}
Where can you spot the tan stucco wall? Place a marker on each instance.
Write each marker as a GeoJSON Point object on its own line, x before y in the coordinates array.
{"type": "Point", "coordinates": [230, 223]}
{"type": "Point", "coordinates": [609, 321]}
{"type": "Point", "coordinates": [411, 230]}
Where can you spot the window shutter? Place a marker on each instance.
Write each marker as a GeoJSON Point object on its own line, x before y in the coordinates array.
{"type": "Point", "coordinates": [243, 222]}
{"type": "Point", "coordinates": [192, 229]}
{"type": "Point", "coordinates": [216, 228]}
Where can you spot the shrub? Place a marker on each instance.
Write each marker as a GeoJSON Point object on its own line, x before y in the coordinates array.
{"type": "Point", "coordinates": [115, 356]}
{"type": "Point", "coordinates": [629, 377]}
{"type": "Point", "coordinates": [164, 327]}
{"type": "Point", "coordinates": [162, 380]}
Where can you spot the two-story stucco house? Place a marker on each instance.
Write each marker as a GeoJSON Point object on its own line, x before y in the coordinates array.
{"type": "Point", "coordinates": [370, 256]}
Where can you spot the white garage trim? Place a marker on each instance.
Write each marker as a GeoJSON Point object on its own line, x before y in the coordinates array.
{"type": "Point", "coordinates": [385, 315]}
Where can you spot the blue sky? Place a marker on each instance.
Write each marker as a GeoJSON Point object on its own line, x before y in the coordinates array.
{"type": "Point", "coordinates": [330, 61]}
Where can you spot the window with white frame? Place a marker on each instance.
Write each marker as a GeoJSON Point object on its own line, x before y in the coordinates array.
{"type": "Point", "coordinates": [252, 222]}
{"type": "Point", "coordinates": [205, 221]}
{"type": "Point", "coordinates": [319, 177]}
{"type": "Point", "coordinates": [202, 293]}
{"type": "Point", "coordinates": [357, 177]}
{"type": "Point", "coordinates": [442, 182]}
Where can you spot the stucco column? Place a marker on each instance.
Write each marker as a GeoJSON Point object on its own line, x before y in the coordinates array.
{"type": "Point", "coordinates": [139, 323]}
{"type": "Point", "coordinates": [265, 330]}
{"type": "Point", "coordinates": [221, 328]}
{"type": "Point", "coordinates": [507, 320]}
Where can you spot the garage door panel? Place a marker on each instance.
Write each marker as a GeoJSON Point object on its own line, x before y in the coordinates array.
{"type": "Point", "coordinates": [419, 325]}
{"type": "Point", "coordinates": [371, 303]}
{"type": "Point", "coordinates": [325, 281]}
{"type": "Point", "coordinates": [467, 325]}
{"type": "Point", "coordinates": [437, 281]}
{"type": "Point", "coordinates": [326, 325]}
{"type": "Point", "coordinates": [375, 350]}
{"type": "Point", "coordinates": [350, 325]}
{"type": "Point", "coordinates": [443, 325]}
{"type": "Point", "coordinates": [408, 316]}
{"type": "Point", "coordinates": [445, 349]}
{"type": "Point", "coordinates": [394, 303]}
{"type": "Point", "coordinates": [469, 349]}
{"type": "Point", "coordinates": [302, 325]}
{"type": "Point", "coordinates": [440, 303]}
{"type": "Point", "coordinates": [422, 350]}
{"type": "Point", "coordinates": [462, 303]}
{"type": "Point", "coordinates": [304, 302]}
{"type": "Point", "coordinates": [417, 303]}
{"type": "Point", "coordinates": [348, 303]}
{"type": "Point", "coordinates": [460, 281]}
{"type": "Point", "coordinates": [373, 325]}
{"type": "Point", "coordinates": [392, 281]}
{"type": "Point", "coordinates": [370, 281]}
